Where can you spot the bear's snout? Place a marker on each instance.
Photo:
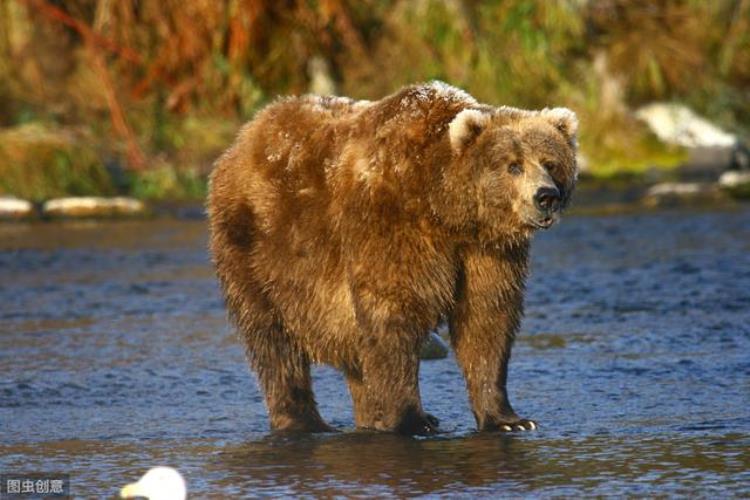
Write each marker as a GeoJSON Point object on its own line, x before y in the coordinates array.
{"type": "Point", "coordinates": [548, 199]}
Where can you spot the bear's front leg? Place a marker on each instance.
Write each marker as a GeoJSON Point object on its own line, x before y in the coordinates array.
{"type": "Point", "coordinates": [483, 324]}
{"type": "Point", "coordinates": [385, 391]}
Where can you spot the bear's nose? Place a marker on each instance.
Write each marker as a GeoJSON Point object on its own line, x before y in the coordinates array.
{"type": "Point", "coordinates": [547, 199]}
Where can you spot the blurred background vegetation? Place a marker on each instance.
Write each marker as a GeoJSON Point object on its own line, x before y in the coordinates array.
{"type": "Point", "coordinates": [139, 96]}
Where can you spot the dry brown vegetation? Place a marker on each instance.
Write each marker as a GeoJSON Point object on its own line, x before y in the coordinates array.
{"type": "Point", "coordinates": [161, 86]}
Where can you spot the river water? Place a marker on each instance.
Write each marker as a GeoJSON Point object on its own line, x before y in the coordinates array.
{"type": "Point", "coordinates": [634, 358]}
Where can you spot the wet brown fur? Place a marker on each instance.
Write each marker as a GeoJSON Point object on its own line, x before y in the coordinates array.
{"type": "Point", "coordinates": [343, 231]}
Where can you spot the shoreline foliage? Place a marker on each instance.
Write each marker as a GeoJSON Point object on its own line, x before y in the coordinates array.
{"type": "Point", "coordinates": [139, 97]}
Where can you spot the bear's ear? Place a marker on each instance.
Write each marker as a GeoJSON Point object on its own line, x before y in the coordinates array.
{"type": "Point", "coordinates": [466, 127]}
{"type": "Point", "coordinates": [563, 120]}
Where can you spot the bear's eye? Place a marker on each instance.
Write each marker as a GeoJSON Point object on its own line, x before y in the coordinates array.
{"type": "Point", "coordinates": [549, 165]}
{"type": "Point", "coordinates": [515, 168]}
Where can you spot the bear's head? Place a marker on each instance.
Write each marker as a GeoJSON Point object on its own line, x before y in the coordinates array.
{"type": "Point", "coordinates": [510, 171]}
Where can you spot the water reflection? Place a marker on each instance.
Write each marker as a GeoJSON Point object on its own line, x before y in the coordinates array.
{"type": "Point", "coordinates": [358, 463]}
{"type": "Point", "coordinates": [371, 464]}
{"type": "Point", "coordinates": [367, 460]}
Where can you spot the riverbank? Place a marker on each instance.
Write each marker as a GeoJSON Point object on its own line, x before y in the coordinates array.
{"type": "Point", "coordinates": [593, 196]}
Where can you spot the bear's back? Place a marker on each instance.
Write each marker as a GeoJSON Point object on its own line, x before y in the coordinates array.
{"type": "Point", "coordinates": [305, 162]}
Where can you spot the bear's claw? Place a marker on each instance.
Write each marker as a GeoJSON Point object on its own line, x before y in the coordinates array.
{"type": "Point", "coordinates": [514, 425]}
{"type": "Point", "coordinates": [428, 426]}
{"type": "Point", "coordinates": [522, 425]}
{"type": "Point", "coordinates": [420, 424]}
{"type": "Point", "coordinates": [432, 419]}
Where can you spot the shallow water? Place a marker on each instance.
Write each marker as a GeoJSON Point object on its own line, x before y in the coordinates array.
{"type": "Point", "coordinates": [634, 357]}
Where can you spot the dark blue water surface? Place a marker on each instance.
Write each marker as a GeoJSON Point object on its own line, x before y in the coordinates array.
{"type": "Point", "coordinates": [634, 357]}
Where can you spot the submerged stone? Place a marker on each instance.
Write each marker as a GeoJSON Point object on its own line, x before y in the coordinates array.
{"type": "Point", "coordinates": [434, 347]}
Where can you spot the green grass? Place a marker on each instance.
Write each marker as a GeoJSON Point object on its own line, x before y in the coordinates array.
{"type": "Point", "coordinates": [628, 154]}
{"type": "Point", "coordinates": [523, 53]}
{"type": "Point", "coordinates": [167, 182]}
{"type": "Point", "coordinates": [38, 162]}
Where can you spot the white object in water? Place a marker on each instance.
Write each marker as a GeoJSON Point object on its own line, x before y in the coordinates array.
{"type": "Point", "coordinates": [84, 206]}
{"type": "Point", "coordinates": [11, 207]}
{"type": "Point", "coordinates": [159, 483]}
{"type": "Point", "coordinates": [734, 178]}
{"type": "Point", "coordinates": [677, 189]}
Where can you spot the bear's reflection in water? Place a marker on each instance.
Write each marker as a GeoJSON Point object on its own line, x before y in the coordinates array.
{"type": "Point", "coordinates": [474, 464]}
{"type": "Point", "coordinates": [376, 462]}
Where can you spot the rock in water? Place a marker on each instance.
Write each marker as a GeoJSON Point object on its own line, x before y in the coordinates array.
{"type": "Point", "coordinates": [93, 206]}
{"type": "Point", "coordinates": [679, 125]}
{"type": "Point", "coordinates": [737, 183]}
{"type": "Point", "coordinates": [674, 194]}
{"type": "Point", "coordinates": [14, 208]}
{"type": "Point", "coordinates": [734, 178]}
{"type": "Point", "coordinates": [710, 149]}
{"type": "Point", "coordinates": [434, 347]}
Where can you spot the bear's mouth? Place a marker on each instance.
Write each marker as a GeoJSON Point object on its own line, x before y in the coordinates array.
{"type": "Point", "coordinates": [543, 223]}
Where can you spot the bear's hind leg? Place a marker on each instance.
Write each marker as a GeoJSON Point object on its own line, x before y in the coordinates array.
{"type": "Point", "coordinates": [282, 367]}
{"type": "Point", "coordinates": [283, 371]}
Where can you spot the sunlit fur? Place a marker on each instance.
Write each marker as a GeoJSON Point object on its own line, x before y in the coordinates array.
{"type": "Point", "coordinates": [343, 231]}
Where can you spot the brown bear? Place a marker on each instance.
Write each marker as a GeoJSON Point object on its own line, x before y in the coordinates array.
{"type": "Point", "coordinates": [342, 231]}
